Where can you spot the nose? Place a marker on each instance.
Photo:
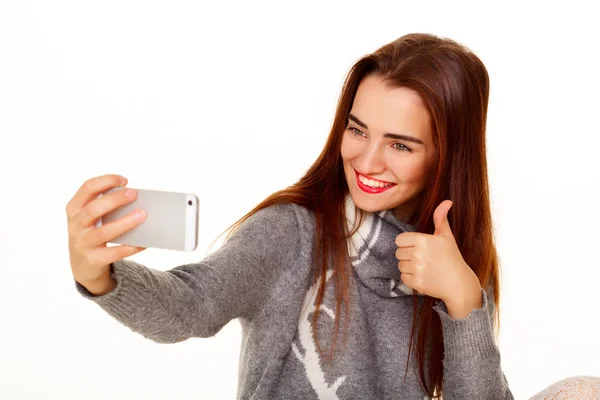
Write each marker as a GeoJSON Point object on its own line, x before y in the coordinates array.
{"type": "Point", "coordinates": [371, 162]}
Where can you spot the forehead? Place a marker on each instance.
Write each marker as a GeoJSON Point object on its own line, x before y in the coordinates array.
{"type": "Point", "coordinates": [390, 109]}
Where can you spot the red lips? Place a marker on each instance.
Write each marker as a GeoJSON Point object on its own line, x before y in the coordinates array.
{"type": "Point", "coordinates": [371, 190]}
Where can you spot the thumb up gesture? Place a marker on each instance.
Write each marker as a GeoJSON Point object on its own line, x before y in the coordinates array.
{"type": "Point", "coordinates": [434, 266]}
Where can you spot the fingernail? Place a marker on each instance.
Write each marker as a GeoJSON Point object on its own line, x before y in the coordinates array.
{"type": "Point", "coordinates": [139, 214]}
{"type": "Point", "coordinates": [123, 181]}
{"type": "Point", "coordinates": [129, 193]}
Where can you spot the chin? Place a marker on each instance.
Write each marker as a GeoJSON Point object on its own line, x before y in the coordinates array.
{"type": "Point", "coordinates": [369, 205]}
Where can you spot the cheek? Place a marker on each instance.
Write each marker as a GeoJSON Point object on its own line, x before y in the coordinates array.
{"type": "Point", "coordinates": [348, 150]}
{"type": "Point", "coordinates": [345, 150]}
{"type": "Point", "coordinates": [410, 172]}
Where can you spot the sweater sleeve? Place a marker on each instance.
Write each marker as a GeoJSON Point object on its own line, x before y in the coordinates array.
{"type": "Point", "coordinates": [471, 358]}
{"type": "Point", "coordinates": [198, 299]}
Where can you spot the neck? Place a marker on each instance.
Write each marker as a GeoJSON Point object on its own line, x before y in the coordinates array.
{"type": "Point", "coordinates": [406, 212]}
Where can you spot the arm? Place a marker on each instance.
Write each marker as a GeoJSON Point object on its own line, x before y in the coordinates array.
{"type": "Point", "coordinates": [471, 358]}
{"type": "Point", "coordinates": [197, 300]}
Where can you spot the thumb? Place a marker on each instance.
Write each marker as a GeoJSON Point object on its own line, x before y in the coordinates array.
{"type": "Point", "coordinates": [440, 219]}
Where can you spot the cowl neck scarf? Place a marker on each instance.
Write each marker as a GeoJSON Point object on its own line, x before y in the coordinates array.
{"type": "Point", "coordinates": [372, 249]}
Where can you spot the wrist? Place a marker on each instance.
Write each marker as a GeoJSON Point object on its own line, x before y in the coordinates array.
{"type": "Point", "coordinates": [101, 286]}
{"type": "Point", "coordinates": [465, 301]}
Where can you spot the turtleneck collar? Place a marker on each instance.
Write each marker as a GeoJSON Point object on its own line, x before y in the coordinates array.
{"type": "Point", "coordinates": [372, 249]}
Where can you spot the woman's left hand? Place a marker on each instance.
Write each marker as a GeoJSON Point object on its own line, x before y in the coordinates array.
{"type": "Point", "coordinates": [434, 266]}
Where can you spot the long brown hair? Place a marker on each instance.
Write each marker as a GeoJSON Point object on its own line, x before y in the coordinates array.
{"type": "Point", "coordinates": [453, 84]}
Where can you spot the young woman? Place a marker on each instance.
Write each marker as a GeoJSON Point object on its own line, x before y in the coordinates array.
{"type": "Point", "coordinates": [375, 276]}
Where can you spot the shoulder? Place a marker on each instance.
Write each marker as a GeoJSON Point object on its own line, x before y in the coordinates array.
{"type": "Point", "coordinates": [286, 213]}
{"type": "Point", "coordinates": [280, 221]}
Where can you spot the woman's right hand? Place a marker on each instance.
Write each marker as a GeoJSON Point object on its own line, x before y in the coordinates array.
{"type": "Point", "coordinates": [89, 256]}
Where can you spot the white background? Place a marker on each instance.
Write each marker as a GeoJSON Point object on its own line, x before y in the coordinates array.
{"type": "Point", "coordinates": [233, 101]}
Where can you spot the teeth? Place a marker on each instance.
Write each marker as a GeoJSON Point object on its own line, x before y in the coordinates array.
{"type": "Point", "coordinates": [372, 183]}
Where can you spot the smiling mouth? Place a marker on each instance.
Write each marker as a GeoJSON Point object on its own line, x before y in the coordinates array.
{"type": "Point", "coordinates": [371, 185]}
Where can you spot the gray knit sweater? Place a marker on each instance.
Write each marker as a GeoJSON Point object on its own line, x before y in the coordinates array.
{"type": "Point", "coordinates": [263, 276]}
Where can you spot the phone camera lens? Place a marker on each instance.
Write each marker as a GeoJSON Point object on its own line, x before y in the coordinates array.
{"type": "Point", "coordinates": [189, 202]}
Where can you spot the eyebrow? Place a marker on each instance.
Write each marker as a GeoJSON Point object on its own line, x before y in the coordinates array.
{"type": "Point", "coordinates": [407, 138]}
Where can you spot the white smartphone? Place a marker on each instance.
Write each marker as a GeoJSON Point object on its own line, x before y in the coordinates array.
{"type": "Point", "coordinates": [171, 220]}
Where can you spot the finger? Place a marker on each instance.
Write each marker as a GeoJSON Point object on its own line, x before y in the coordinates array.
{"type": "Point", "coordinates": [99, 236]}
{"type": "Point", "coordinates": [90, 190]}
{"type": "Point", "coordinates": [406, 267]}
{"type": "Point", "coordinates": [407, 239]}
{"type": "Point", "coordinates": [440, 219]}
{"type": "Point", "coordinates": [405, 253]}
{"type": "Point", "coordinates": [109, 255]}
{"type": "Point", "coordinates": [101, 206]}
{"type": "Point", "coordinates": [409, 280]}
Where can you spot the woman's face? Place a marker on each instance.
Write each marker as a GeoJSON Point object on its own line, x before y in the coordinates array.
{"type": "Point", "coordinates": [387, 149]}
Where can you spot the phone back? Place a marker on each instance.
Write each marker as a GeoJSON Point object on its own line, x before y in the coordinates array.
{"type": "Point", "coordinates": [171, 220]}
